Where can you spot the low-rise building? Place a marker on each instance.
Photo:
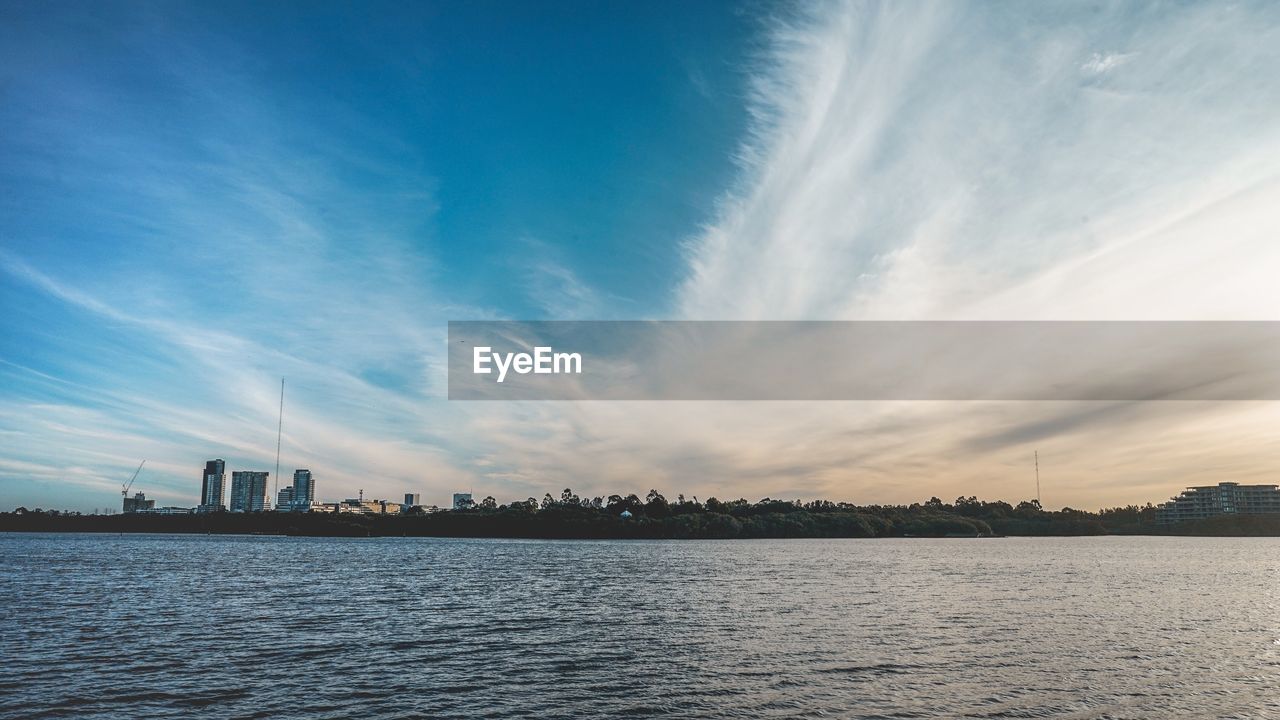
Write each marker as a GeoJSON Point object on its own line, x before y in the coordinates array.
{"type": "Point", "coordinates": [368, 507]}
{"type": "Point", "coordinates": [138, 503]}
{"type": "Point", "coordinates": [1228, 498]}
{"type": "Point", "coordinates": [169, 510]}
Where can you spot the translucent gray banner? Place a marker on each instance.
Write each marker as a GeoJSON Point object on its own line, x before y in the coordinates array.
{"type": "Point", "coordinates": [721, 360]}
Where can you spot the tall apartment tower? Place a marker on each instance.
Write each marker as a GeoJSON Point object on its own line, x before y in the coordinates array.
{"type": "Point", "coordinates": [249, 491]}
{"type": "Point", "coordinates": [211, 487]}
{"type": "Point", "coordinates": [304, 489]}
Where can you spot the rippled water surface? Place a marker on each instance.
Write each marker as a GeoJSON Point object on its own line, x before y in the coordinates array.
{"type": "Point", "coordinates": [200, 626]}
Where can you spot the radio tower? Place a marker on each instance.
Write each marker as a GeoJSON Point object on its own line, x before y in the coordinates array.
{"type": "Point", "coordinates": [279, 431]}
{"type": "Point", "coordinates": [1038, 479]}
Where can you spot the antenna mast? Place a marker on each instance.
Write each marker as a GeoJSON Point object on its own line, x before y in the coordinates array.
{"type": "Point", "coordinates": [279, 432]}
{"type": "Point", "coordinates": [1038, 479]}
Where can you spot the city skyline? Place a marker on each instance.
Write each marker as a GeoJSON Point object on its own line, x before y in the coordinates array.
{"type": "Point", "coordinates": [200, 200]}
{"type": "Point", "coordinates": [1192, 503]}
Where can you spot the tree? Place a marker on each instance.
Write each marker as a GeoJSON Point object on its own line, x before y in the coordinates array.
{"type": "Point", "coordinates": [655, 505]}
{"type": "Point", "coordinates": [489, 503]}
{"type": "Point", "coordinates": [1028, 508]}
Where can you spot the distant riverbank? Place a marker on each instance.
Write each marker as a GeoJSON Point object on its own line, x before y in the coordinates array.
{"type": "Point", "coordinates": [629, 518]}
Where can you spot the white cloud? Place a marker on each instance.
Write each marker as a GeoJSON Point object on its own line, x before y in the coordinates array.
{"type": "Point", "coordinates": [949, 161]}
{"type": "Point", "coordinates": [967, 161]}
{"type": "Point", "coordinates": [915, 161]}
{"type": "Point", "coordinates": [1102, 63]}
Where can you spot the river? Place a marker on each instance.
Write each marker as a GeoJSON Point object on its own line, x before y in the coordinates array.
{"type": "Point", "coordinates": [173, 626]}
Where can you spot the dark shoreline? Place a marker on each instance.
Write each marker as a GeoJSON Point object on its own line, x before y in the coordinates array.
{"type": "Point", "coordinates": [760, 521]}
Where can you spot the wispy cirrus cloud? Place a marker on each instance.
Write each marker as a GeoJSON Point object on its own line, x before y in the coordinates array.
{"type": "Point", "coordinates": [963, 161]}
{"type": "Point", "coordinates": [920, 161]}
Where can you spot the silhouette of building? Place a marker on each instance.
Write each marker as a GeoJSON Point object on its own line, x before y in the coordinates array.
{"type": "Point", "coordinates": [170, 510]}
{"type": "Point", "coordinates": [138, 503]}
{"type": "Point", "coordinates": [249, 491]}
{"type": "Point", "coordinates": [211, 487]}
{"type": "Point", "coordinates": [462, 501]}
{"type": "Point", "coordinates": [1228, 498]}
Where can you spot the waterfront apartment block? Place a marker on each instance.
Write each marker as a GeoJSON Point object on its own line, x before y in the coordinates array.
{"type": "Point", "coordinates": [1228, 498]}
{"type": "Point", "coordinates": [304, 488]}
{"type": "Point", "coordinates": [300, 496]}
{"type": "Point", "coordinates": [412, 499]}
{"type": "Point", "coordinates": [211, 487]}
{"type": "Point", "coordinates": [249, 491]}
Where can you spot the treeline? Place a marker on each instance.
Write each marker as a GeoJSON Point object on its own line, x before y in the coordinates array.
{"type": "Point", "coordinates": [653, 517]}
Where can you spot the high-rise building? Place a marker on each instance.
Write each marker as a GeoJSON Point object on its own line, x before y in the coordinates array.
{"type": "Point", "coordinates": [412, 499]}
{"type": "Point", "coordinates": [462, 501]}
{"type": "Point", "coordinates": [211, 487]}
{"type": "Point", "coordinates": [284, 498]}
{"type": "Point", "coordinates": [1228, 498]}
{"type": "Point", "coordinates": [304, 489]}
{"type": "Point", "coordinates": [249, 491]}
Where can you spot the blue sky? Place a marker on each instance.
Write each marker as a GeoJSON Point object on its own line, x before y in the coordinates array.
{"type": "Point", "coordinates": [199, 198]}
{"type": "Point", "coordinates": [482, 134]}
{"type": "Point", "coordinates": [217, 168]}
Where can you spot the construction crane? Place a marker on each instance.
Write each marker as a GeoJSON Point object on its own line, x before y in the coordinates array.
{"type": "Point", "coordinates": [124, 487]}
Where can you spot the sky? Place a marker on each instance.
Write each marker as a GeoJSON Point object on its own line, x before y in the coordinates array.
{"type": "Point", "coordinates": [197, 200]}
